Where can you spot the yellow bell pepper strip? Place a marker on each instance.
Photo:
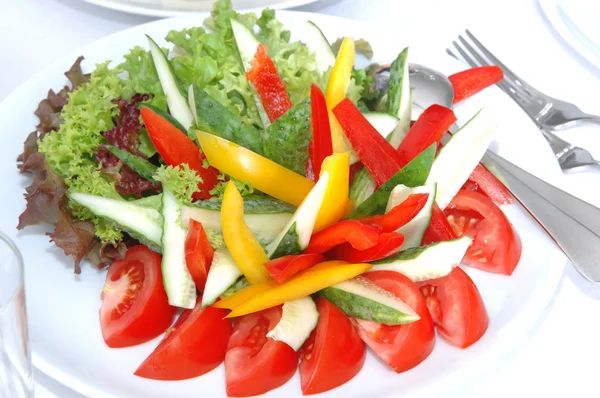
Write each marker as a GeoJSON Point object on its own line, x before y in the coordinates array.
{"type": "Point", "coordinates": [336, 91]}
{"type": "Point", "coordinates": [308, 282]}
{"type": "Point", "coordinates": [349, 208]}
{"type": "Point", "coordinates": [237, 299]}
{"type": "Point", "coordinates": [334, 204]}
{"type": "Point", "coordinates": [239, 239]}
{"type": "Point", "coordinates": [245, 165]}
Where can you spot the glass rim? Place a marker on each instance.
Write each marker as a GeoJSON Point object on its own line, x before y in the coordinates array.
{"type": "Point", "coordinates": [5, 239]}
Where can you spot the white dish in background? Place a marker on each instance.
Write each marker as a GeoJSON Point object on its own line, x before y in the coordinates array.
{"type": "Point", "coordinates": [63, 308]}
{"type": "Point", "coordinates": [175, 8]}
{"type": "Point", "coordinates": [577, 23]}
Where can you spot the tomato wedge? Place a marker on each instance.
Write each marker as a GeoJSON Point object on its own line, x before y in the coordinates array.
{"type": "Point", "coordinates": [198, 254]}
{"type": "Point", "coordinates": [134, 307]}
{"type": "Point", "coordinates": [439, 229]}
{"type": "Point", "coordinates": [334, 352]}
{"type": "Point", "coordinates": [255, 364]}
{"type": "Point", "coordinates": [496, 246]}
{"type": "Point", "coordinates": [195, 345]}
{"type": "Point", "coordinates": [456, 308]}
{"type": "Point", "coordinates": [283, 268]}
{"type": "Point", "coordinates": [402, 346]}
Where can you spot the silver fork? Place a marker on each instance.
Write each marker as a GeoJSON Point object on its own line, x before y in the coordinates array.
{"type": "Point", "coordinates": [545, 111]}
{"type": "Point", "coordinates": [550, 113]}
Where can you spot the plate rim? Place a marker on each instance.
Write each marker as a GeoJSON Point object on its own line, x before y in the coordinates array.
{"type": "Point", "coordinates": [70, 381]}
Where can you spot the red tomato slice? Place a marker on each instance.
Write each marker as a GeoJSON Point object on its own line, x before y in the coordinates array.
{"type": "Point", "coordinates": [134, 307]}
{"type": "Point", "coordinates": [402, 346]}
{"type": "Point", "coordinates": [198, 254]}
{"type": "Point", "coordinates": [439, 229]}
{"type": "Point", "coordinates": [195, 345]}
{"type": "Point", "coordinates": [389, 244]}
{"type": "Point", "coordinates": [255, 364]}
{"type": "Point", "coordinates": [456, 308]}
{"type": "Point", "coordinates": [334, 352]}
{"type": "Point", "coordinates": [283, 268]}
{"type": "Point", "coordinates": [496, 246]}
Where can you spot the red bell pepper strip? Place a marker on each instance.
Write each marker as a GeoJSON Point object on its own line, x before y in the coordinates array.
{"type": "Point", "coordinates": [198, 254]}
{"type": "Point", "coordinates": [269, 86]}
{"type": "Point", "coordinates": [176, 148]}
{"type": "Point", "coordinates": [399, 215]}
{"type": "Point", "coordinates": [472, 81]}
{"type": "Point", "coordinates": [375, 153]}
{"type": "Point", "coordinates": [439, 229]}
{"type": "Point", "coordinates": [283, 268]}
{"type": "Point", "coordinates": [483, 180]}
{"type": "Point", "coordinates": [321, 130]}
{"type": "Point", "coordinates": [353, 232]}
{"type": "Point", "coordinates": [389, 244]}
{"type": "Point", "coordinates": [429, 128]}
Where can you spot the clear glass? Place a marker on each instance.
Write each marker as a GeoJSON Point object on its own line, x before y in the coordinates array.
{"type": "Point", "coordinates": [16, 377]}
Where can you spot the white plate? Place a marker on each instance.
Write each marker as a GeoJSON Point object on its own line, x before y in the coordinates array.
{"type": "Point", "coordinates": [175, 8]}
{"type": "Point", "coordinates": [576, 22]}
{"type": "Point", "coordinates": [63, 307]}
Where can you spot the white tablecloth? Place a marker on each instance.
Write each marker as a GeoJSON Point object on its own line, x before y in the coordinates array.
{"type": "Point", "coordinates": [561, 357]}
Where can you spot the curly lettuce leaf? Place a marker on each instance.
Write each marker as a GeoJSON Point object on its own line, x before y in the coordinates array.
{"type": "Point", "coordinates": [180, 180]}
{"type": "Point", "coordinates": [142, 77]}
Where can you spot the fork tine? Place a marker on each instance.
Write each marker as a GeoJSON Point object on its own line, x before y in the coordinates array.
{"type": "Point", "coordinates": [495, 60]}
{"type": "Point", "coordinates": [464, 54]}
{"type": "Point", "coordinates": [450, 53]}
{"type": "Point", "coordinates": [473, 52]}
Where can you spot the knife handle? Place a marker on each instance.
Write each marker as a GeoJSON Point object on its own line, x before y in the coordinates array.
{"type": "Point", "coordinates": [571, 222]}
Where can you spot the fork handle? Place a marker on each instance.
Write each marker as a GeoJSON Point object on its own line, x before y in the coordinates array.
{"type": "Point", "coordinates": [571, 222]}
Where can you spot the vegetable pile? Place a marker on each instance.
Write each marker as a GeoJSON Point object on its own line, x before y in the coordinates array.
{"type": "Point", "coordinates": [294, 212]}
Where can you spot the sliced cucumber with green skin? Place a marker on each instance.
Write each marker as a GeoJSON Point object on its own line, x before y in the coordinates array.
{"type": "Point", "coordinates": [298, 319]}
{"type": "Point", "coordinates": [142, 223]}
{"type": "Point", "coordinates": [363, 185]}
{"type": "Point", "coordinates": [222, 275]}
{"type": "Point", "coordinates": [399, 101]}
{"type": "Point", "coordinates": [266, 217]}
{"type": "Point", "coordinates": [426, 262]}
{"type": "Point", "coordinates": [294, 237]}
{"type": "Point", "coordinates": [317, 43]}
{"type": "Point", "coordinates": [178, 105]}
{"type": "Point", "coordinates": [240, 284]}
{"type": "Point", "coordinates": [414, 230]}
{"type": "Point", "coordinates": [179, 286]}
{"type": "Point", "coordinates": [457, 159]}
{"type": "Point", "coordinates": [413, 174]}
{"type": "Point", "coordinates": [361, 298]}
{"type": "Point", "coordinates": [153, 202]}
{"type": "Point", "coordinates": [143, 167]}
{"type": "Point", "coordinates": [212, 117]}
{"type": "Point", "coordinates": [247, 45]}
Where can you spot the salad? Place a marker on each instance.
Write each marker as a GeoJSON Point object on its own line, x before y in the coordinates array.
{"type": "Point", "coordinates": [278, 196]}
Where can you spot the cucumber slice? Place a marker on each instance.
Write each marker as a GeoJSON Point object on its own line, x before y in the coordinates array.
{"type": "Point", "coordinates": [294, 237]}
{"type": "Point", "coordinates": [399, 101]}
{"type": "Point", "coordinates": [414, 230]}
{"type": "Point", "coordinates": [240, 284]}
{"type": "Point", "coordinates": [426, 262]}
{"type": "Point", "coordinates": [179, 286]}
{"type": "Point", "coordinates": [413, 174]}
{"type": "Point", "coordinates": [247, 44]}
{"type": "Point", "coordinates": [363, 185]}
{"type": "Point", "coordinates": [383, 123]}
{"type": "Point", "coordinates": [317, 43]}
{"type": "Point", "coordinates": [266, 218]}
{"type": "Point", "coordinates": [178, 105]}
{"type": "Point", "coordinates": [298, 319]}
{"type": "Point", "coordinates": [142, 223]}
{"type": "Point", "coordinates": [222, 275]}
{"type": "Point", "coordinates": [457, 159]}
{"type": "Point", "coordinates": [141, 166]}
{"type": "Point", "coordinates": [361, 298]}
